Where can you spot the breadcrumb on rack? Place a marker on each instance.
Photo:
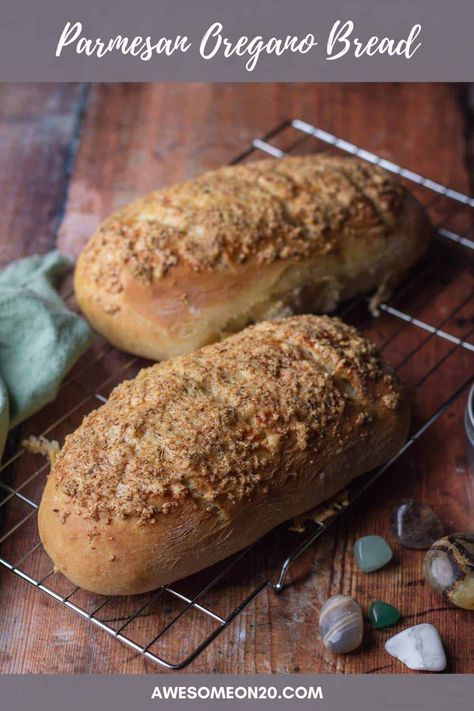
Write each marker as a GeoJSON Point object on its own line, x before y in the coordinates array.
{"type": "Point", "coordinates": [322, 513]}
{"type": "Point", "coordinates": [42, 445]}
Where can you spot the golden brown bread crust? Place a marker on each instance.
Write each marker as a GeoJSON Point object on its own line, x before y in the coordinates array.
{"type": "Point", "coordinates": [184, 266]}
{"type": "Point", "coordinates": [201, 455]}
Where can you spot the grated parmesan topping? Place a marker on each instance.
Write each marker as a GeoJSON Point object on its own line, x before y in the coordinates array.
{"type": "Point", "coordinates": [218, 425]}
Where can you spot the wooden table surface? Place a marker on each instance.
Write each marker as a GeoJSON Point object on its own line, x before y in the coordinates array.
{"type": "Point", "coordinates": [69, 155]}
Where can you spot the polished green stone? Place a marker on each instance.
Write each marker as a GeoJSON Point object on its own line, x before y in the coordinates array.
{"type": "Point", "coordinates": [372, 553]}
{"type": "Point", "coordinates": [381, 614]}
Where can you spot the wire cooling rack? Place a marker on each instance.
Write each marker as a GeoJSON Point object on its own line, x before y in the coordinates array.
{"type": "Point", "coordinates": [426, 342]}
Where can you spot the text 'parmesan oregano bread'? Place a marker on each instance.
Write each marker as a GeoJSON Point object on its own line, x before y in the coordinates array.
{"type": "Point", "coordinates": [183, 267]}
{"type": "Point", "coordinates": [201, 455]}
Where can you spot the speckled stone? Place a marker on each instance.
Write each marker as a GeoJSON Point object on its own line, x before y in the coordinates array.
{"type": "Point", "coordinates": [341, 624]}
{"type": "Point", "coordinates": [382, 615]}
{"type": "Point", "coordinates": [415, 525]}
{"type": "Point", "coordinates": [372, 553]}
{"type": "Point", "coordinates": [449, 569]}
{"type": "Point", "coordinates": [419, 648]}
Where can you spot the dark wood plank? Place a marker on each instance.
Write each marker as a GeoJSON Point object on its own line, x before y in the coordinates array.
{"type": "Point", "coordinates": [138, 137]}
{"type": "Point", "coordinates": [37, 127]}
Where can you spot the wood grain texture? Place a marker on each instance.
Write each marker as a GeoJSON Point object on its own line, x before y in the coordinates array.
{"type": "Point", "coordinates": [37, 129]}
{"type": "Point", "coordinates": [135, 138]}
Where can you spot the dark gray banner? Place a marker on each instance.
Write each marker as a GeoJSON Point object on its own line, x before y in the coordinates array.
{"type": "Point", "coordinates": [248, 40]}
{"type": "Point", "coordinates": [328, 692]}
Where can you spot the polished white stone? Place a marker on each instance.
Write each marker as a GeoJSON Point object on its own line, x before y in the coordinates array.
{"type": "Point", "coordinates": [419, 648]}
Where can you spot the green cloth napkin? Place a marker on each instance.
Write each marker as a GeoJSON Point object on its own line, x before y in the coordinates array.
{"type": "Point", "coordinates": [40, 338]}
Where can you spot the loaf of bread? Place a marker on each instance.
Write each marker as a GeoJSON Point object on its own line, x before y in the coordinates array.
{"type": "Point", "coordinates": [183, 267]}
{"type": "Point", "coordinates": [199, 456]}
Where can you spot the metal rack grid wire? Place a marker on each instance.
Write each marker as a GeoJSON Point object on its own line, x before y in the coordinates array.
{"type": "Point", "coordinates": [142, 622]}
